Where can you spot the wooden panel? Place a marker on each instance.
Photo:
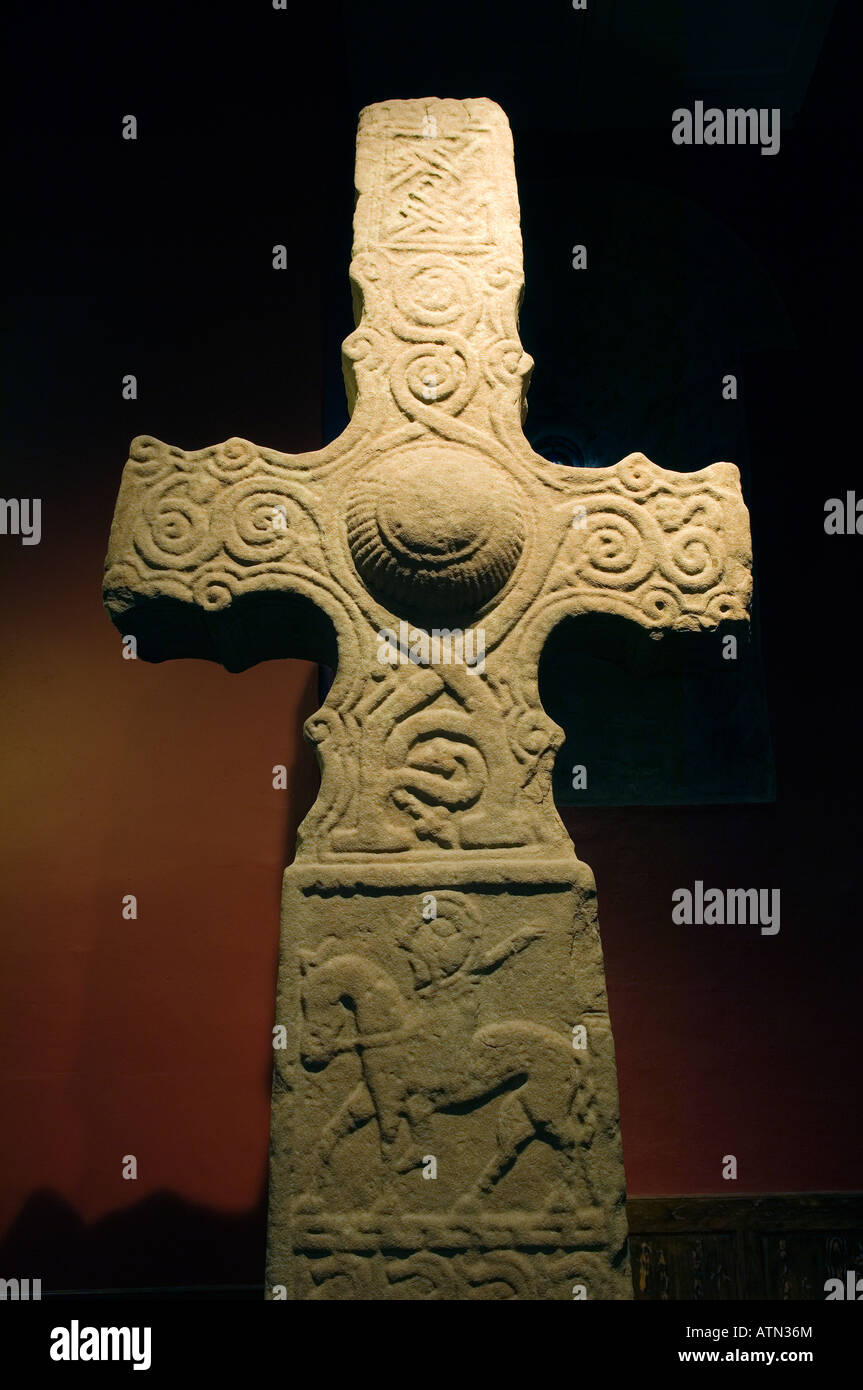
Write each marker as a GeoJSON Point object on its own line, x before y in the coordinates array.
{"type": "Point", "coordinates": [801, 1211]}
{"type": "Point", "coordinates": [685, 1266]}
{"type": "Point", "coordinates": [751, 1247]}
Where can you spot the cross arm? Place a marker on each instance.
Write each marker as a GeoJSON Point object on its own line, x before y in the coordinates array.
{"type": "Point", "coordinates": [670, 551]}
{"type": "Point", "coordinates": [219, 553]}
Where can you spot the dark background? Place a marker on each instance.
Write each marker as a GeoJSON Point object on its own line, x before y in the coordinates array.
{"type": "Point", "coordinates": [152, 1037]}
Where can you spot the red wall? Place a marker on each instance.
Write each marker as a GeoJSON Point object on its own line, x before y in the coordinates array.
{"type": "Point", "coordinates": [152, 1036]}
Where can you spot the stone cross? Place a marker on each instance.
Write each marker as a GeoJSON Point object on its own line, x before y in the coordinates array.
{"type": "Point", "coordinates": [445, 1116]}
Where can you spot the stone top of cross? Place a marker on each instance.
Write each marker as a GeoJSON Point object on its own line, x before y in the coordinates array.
{"type": "Point", "coordinates": [430, 510]}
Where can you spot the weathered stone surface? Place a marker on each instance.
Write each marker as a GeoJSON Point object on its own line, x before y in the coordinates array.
{"type": "Point", "coordinates": [440, 952]}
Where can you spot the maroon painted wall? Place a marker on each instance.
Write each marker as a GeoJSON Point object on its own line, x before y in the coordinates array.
{"type": "Point", "coordinates": [152, 1037]}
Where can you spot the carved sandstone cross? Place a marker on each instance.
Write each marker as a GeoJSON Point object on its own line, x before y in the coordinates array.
{"type": "Point", "coordinates": [445, 1114]}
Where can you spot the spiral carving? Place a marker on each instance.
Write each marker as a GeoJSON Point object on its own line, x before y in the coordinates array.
{"type": "Point", "coordinates": [432, 292]}
{"type": "Point", "coordinates": [442, 376]}
{"type": "Point", "coordinates": [613, 552]}
{"type": "Point", "coordinates": [173, 529]}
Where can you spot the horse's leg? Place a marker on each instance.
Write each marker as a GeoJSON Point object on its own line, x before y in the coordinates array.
{"type": "Point", "coordinates": [571, 1127]}
{"type": "Point", "coordinates": [390, 1095]}
{"type": "Point", "coordinates": [514, 1131]}
{"type": "Point", "coordinates": [351, 1115]}
{"type": "Point", "coordinates": [354, 1112]}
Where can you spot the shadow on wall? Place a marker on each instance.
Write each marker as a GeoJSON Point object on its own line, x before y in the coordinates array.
{"type": "Point", "coordinates": [161, 1244]}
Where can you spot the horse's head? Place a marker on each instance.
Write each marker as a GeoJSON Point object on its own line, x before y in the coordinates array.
{"type": "Point", "coordinates": [327, 1021]}
{"type": "Point", "coordinates": [344, 1000]}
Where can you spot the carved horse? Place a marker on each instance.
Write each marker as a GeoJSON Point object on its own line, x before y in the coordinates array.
{"type": "Point", "coordinates": [415, 1062]}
